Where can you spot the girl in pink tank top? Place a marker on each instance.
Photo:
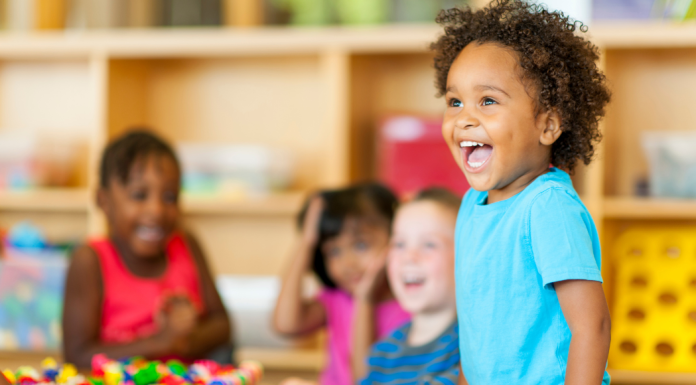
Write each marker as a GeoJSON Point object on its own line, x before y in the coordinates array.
{"type": "Point", "coordinates": [146, 289]}
{"type": "Point", "coordinates": [345, 234]}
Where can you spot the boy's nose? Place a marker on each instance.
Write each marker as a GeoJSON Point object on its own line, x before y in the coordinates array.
{"type": "Point", "coordinates": [466, 119]}
{"type": "Point", "coordinates": [411, 255]}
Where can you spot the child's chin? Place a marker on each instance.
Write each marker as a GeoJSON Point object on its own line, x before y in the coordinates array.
{"type": "Point", "coordinates": [147, 249]}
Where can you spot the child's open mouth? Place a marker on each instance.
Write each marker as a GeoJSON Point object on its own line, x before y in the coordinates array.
{"type": "Point", "coordinates": [475, 155]}
{"type": "Point", "coordinates": [150, 233]}
{"type": "Point", "coordinates": [413, 281]}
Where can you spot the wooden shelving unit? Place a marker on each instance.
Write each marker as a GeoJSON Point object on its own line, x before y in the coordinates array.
{"type": "Point", "coordinates": [46, 200]}
{"type": "Point", "coordinates": [649, 208]}
{"type": "Point", "coordinates": [319, 93]}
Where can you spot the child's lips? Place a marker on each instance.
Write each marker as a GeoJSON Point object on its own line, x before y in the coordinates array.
{"type": "Point", "coordinates": [475, 155]}
{"type": "Point", "coordinates": [150, 233]}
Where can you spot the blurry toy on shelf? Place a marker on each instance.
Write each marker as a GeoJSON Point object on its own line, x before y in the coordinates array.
{"type": "Point", "coordinates": [27, 162]}
{"type": "Point", "coordinates": [234, 171]}
{"type": "Point", "coordinates": [138, 371]}
{"type": "Point", "coordinates": [413, 156]}
{"type": "Point", "coordinates": [32, 275]}
{"type": "Point", "coordinates": [182, 13]}
{"type": "Point", "coordinates": [672, 161]}
{"type": "Point", "coordinates": [654, 318]}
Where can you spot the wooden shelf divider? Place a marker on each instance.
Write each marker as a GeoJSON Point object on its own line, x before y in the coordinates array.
{"type": "Point", "coordinates": [49, 200]}
{"type": "Point", "coordinates": [649, 208]}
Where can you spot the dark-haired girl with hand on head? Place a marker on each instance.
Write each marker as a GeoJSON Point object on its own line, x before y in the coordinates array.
{"type": "Point", "coordinates": [344, 239]}
{"type": "Point", "coordinates": [145, 290]}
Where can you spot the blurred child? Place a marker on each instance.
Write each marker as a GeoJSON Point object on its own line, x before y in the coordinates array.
{"type": "Point", "coordinates": [145, 289]}
{"type": "Point", "coordinates": [523, 91]}
{"type": "Point", "coordinates": [345, 234]}
{"type": "Point", "coordinates": [420, 265]}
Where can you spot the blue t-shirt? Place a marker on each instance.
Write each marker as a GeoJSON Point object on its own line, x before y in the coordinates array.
{"type": "Point", "coordinates": [508, 255]}
{"type": "Point", "coordinates": [392, 361]}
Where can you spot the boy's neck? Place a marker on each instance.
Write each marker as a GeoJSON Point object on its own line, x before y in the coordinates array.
{"type": "Point", "coordinates": [425, 327]}
{"type": "Point", "coordinates": [516, 186]}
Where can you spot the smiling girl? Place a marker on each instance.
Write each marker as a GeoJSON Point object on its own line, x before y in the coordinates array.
{"type": "Point", "coordinates": [145, 290]}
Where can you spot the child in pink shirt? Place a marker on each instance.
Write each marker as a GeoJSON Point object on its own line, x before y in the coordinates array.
{"type": "Point", "coordinates": [345, 234]}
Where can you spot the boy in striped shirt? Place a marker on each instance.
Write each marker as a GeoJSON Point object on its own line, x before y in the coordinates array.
{"type": "Point", "coordinates": [420, 266]}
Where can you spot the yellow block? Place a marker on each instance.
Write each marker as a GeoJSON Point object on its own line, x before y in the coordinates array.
{"type": "Point", "coordinates": [654, 314]}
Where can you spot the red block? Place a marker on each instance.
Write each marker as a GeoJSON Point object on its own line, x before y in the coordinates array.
{"type": "Point", "coordinates": [413, 155]}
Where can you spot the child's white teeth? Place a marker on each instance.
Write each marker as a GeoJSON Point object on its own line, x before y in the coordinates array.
{"type": "Point", "coordinates": [413, 280]}
{"type": "Point", "coordinates": [475, 164]}
{"type": "Point", "coordinates": [150, 233]}
{"type": "Point", "coordinates": [466, 143]}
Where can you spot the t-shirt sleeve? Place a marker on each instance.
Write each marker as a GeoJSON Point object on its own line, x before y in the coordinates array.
{"type": "Point", "coordinates": [563, 238]}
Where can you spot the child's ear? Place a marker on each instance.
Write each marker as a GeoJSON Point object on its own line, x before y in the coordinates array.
{"type": "Point", "coordinates": [551, 123]}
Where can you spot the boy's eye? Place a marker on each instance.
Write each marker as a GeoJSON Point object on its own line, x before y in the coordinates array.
{"type": "Point", "coordinates": [455, 103]}
{"type": "Point", "coordinates": [488, 101]}
{"type": "Point", "coordinates": [399, 245]}
{"type": "Point", "coordinates": [430, 245]}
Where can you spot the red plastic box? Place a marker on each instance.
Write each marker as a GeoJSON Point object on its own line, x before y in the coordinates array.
{"type": "Point", "coordinates": [412, 155]}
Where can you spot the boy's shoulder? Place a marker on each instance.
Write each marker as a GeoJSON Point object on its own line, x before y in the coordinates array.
{"type": "Point", "coordinates": [550, 192]}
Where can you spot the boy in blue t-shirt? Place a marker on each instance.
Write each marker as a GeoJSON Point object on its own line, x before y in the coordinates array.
{"type": "Point", "coordinates": [523, 91]}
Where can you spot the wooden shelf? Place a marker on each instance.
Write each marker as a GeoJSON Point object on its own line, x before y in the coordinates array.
{"type": "Point", "coordinates": [279, 41]}
{"type": "Point", "coordinates": [275, 41]}
{"type": "Point", "coordinates": [284, 359]}
{"type": "Point", "coordinates": [652, 378]}
{"type": "Point", "coordinates": [644, 35]}
{"type": "Point", "coordinates": [649, 208]}
{"type": "Point", "coordinates": [77, 200]}
{"type": "Point", "coordinates": [46, 200]}
{"type": "Point", "coordinates": [286, 203]}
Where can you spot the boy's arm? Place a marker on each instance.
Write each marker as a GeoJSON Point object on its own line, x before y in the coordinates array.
{"type": "Point", "coordinates": [462, 379]}
{"type": "Point", "coordinates": [585, 309]}
{"type": "Point", "coordinates": [214, 329]}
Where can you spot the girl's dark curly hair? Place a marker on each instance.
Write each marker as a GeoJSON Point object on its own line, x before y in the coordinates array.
{"type": "Point", "coordinates": [559, 64]}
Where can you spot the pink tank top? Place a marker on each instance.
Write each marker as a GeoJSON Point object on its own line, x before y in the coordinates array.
{"type": "Point", "coordinates": [130, 303]}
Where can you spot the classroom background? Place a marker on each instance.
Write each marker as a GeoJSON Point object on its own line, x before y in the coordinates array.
{"type": "Point", "coordinates": [268, 100]}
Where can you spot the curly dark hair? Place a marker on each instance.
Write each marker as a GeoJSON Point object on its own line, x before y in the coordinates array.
{"type": "Point", "coordinates": [560, 64]}
{"type": "Point", "coordinates": [123, 152]}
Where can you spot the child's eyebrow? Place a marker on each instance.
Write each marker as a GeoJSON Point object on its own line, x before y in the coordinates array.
{"type": "Point", "coordinates": [485, 87]}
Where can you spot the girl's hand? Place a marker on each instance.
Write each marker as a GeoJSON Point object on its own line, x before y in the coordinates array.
{"type": "Point", "coordinates": [310, 228]}
{"type": "Point", "coordinates": [178, 318]}
{"type": "Point", "coordinates": [374, 279]}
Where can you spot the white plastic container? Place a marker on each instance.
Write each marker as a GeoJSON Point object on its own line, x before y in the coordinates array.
{"type": "Point", "coordinates": [672, 161]}
{"type": "Point", "coordinates": [250, 301]}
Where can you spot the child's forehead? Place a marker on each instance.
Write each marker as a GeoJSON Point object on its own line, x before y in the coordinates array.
{"type": "Point", "coordinates": [362, 224]}
{"type": "Point", "coordinates": [425, 213]}
{"type": "Point", "coordinates": [485, 63]}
